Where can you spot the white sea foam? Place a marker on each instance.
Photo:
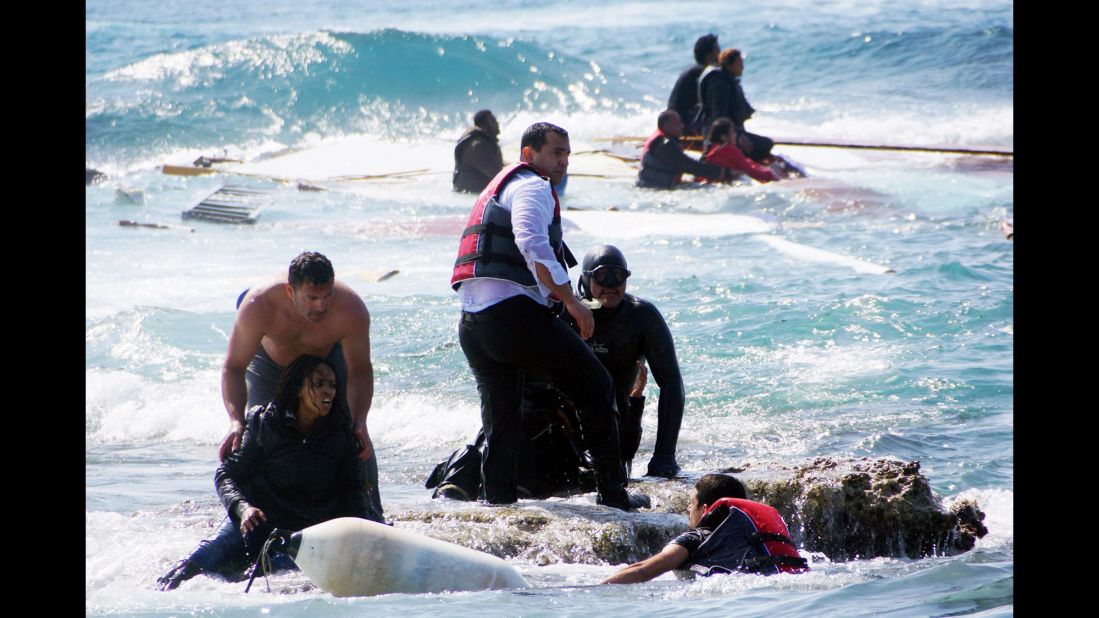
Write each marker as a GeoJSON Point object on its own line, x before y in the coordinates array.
{"type": "Point", "coordinates": [998, 506]}
{"type": "Point", "coordinates": [122, 407]}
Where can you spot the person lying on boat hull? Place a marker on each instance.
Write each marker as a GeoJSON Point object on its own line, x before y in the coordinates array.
{"type": "Point", "coordinates": [728, 534]}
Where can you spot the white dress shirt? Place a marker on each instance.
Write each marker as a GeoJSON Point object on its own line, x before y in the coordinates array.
{"type": "Point", "coordinates": [527, 196]}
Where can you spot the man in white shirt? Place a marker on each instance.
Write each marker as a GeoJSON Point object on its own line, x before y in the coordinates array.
{"type": "Point", "coordinates": [511, 267]}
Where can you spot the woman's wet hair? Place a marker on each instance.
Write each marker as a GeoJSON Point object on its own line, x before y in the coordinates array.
{"type": "Point", "coordinates": [713, 487]}
{"type": "Point", "coordinates": [295, 376]}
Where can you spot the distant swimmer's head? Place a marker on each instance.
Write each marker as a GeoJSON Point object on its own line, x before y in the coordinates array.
{"type": "Point", "coordinates": [485, 121]}
{"type": "Point", "coordinates": [546, 147]}
{"type": "Point", "coordinates": [707, 49]}
{"type": "Point", "coordinates": [310, 284]}
{"type": "Point", "coordinates": [603, 276]}
{"type": "Point", "coordinates": [709, 489]}
{"type": "Point", "coordinates": [670, 124]}
{"type": "Point", "coordinates": [307, 387]}
{"type": "Point", "coordinates": [732, 61]}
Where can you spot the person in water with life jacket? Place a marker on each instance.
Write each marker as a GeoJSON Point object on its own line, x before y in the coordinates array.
{"type": "Point", "coordinates": [728, 534]}
{"type": "Point", "coordinates": [297, 466]}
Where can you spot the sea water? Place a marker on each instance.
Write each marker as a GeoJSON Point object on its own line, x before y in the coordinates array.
{"type": "Point", "coordinates": [784, 358]}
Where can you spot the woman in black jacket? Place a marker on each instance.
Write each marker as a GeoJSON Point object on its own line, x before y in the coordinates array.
{"type": "Point", "coordinates": [295, 468]}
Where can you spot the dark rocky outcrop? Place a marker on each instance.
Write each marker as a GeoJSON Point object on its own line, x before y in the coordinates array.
{"type": "Point", "coordinates": [844, 509]}
{"type": "Point", "coordinates": [868, 508]}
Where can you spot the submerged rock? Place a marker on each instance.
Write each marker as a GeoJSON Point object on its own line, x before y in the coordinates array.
{"type": "Point", "coordinates": [845, 509]}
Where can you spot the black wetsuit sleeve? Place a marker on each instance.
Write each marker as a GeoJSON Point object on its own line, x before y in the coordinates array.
{"type": "Point", "coordinates": [239, 467]}
{"type": "Point", "coordinates": [659, 352]}
{"type": "Point", "coordinates": [671, 154]}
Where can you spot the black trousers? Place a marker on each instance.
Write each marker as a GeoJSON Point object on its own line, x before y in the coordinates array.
{"type": "Point", "coordinates": [518, 335]}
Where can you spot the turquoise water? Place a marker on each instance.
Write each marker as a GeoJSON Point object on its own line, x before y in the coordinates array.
{"type": "Point", "coordinates": [784, 359]}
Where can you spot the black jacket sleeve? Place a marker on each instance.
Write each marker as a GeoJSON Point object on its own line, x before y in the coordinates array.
{"type": "Point", "coordinates": [739, 108]}
{"type": "Point", "coordinates": [239, 466]}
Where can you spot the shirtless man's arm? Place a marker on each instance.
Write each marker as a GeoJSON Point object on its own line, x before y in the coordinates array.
{"type": "Point", "coordinates": [360, 370]}
{"type": "Point", "coordinates": [248, 331]}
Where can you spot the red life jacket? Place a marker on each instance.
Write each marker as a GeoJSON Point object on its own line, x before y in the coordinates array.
{"type": "Point", "coordinates": [751, 537]}
{"type": "Point", "coordinates": [487, 248]}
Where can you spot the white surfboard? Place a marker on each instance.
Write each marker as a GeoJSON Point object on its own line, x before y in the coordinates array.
{"type": "Point", "coordinates": [354, 557]}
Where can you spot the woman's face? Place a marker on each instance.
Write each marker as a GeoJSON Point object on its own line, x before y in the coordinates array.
{"type": "Point", "coordinates": [318, 393]}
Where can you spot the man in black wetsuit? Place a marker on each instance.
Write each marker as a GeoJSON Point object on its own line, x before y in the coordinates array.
{"type": "Point", "coordinates": [663, 161]}
{"type": "Point", "coordinates": [628, 330]}
{"type": "Point", "coordinates": [684, 97]}
{"type": "Point", "coordinates": [477, 156]}
{"type": "Point", "coordinates": [720, 95]}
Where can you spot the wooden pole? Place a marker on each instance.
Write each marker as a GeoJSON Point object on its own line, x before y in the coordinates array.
{"type": "Point", "coordinates": [943, 149]}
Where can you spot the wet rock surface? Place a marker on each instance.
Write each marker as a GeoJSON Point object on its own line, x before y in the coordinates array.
{"type": "Point", "coordinates": [849, 509]}
{"type": "Point", "coordinates": [844, 508]}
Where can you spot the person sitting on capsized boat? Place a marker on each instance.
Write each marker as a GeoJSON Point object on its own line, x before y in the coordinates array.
{"type": "Point", "coordinates": [297, 466]}
{"type": "Point", "coordinates": [629, 331]}
{"type": "Point", "coordinates": [728, 534]}
{"type": "Point", "coordinates": [663, 161]}
{"type": "Point", "coordinates": [684, 96]}
{"type": "Point", "coordinates": [722, 151]}
{"type": "Point", "coordinates": [477, 155]}
{"type": "Point", "coordinates": [720, 95]}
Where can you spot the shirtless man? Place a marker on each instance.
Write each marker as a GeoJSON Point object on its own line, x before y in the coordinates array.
{"type": "Point", "coordinates": [309, 313]}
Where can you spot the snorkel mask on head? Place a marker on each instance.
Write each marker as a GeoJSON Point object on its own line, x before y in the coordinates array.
{"type": "Point", "coordinates": [606, 265]}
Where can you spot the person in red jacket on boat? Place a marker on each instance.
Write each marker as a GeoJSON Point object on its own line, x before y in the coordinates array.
{"type": "Point", "coordinates": [728, 534]}
{"type": "Point", "coordinates": [723, 151]}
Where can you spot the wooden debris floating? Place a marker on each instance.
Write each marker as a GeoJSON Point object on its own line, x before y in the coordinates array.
{"type": "Point", "coordinates": [230, 204]}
